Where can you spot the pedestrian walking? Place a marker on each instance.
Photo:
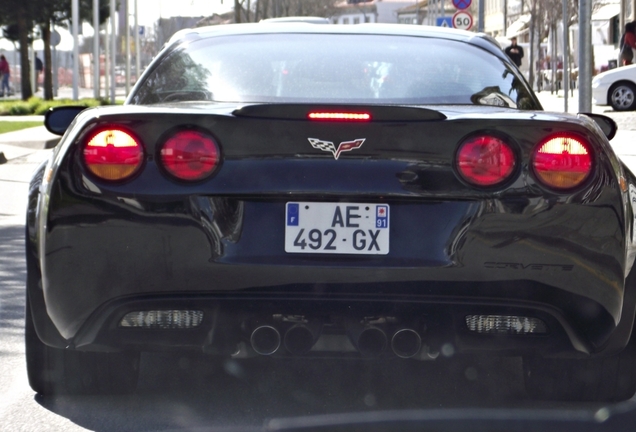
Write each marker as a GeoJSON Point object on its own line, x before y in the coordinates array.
{"type": "Point", "coordinates": [514, 51]}
{"type": "Point", "coordinates": [627, 44]}
{"type": "Point", "coordinates": [39, 67]}
{"type": "Point", "coordinates": [5, 73]}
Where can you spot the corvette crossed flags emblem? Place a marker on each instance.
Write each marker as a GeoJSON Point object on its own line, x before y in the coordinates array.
{"type": "Point", "coordinates": [330, 147]}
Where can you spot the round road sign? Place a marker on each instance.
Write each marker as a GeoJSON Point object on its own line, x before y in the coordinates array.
{"type": "Point", "coordinates": [55, 38]}
{"type": "Point", "coordinates": [462, 20]}
{"type": "Point", "coordinates": [462, 4]}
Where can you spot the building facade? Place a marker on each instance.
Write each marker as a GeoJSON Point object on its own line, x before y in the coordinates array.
{"type": "Point", "coordinates": [371, 11]}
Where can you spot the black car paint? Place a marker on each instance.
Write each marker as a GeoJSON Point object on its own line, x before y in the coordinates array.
{"type": "Point", "coordinates": [218, 243]}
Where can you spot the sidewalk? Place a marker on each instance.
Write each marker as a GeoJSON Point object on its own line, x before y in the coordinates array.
{"type": "Point", "coordinates": [20, 143]}
{"type": "Point", "coordinates": [555, 102]}
{"type": "Point", "coordinates": [67, 93]}
{"type": "Point", "coordinates": [624, 143]}
{"type": "Point", "coordinates": [34, 138]}
{"type": "Point", "coordinates": [24, 142]}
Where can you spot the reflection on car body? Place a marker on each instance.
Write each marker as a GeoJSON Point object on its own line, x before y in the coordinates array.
{"type": "Point", "coordinates": [293, 190]}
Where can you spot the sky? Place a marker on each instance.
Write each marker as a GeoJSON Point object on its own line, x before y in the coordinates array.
{"type": "Point", "coordinates": [149, 11]}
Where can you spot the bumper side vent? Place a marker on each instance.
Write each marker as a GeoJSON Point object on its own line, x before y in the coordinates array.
{"type": "Point", "coordinates": [505, 324]}
{"type": "Point", "coordinates": [162, 319]}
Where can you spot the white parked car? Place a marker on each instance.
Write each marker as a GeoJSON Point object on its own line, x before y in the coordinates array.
{"type": "Point", "coordinates": [616, 87]}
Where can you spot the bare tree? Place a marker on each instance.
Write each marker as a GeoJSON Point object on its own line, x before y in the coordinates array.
{"type": "Point", "coordinates": [263, 9]}
{"type": "Point", "coordinates": [544, 17]}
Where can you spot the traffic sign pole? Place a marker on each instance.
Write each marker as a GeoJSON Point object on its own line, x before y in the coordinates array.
{"type": "Point", "coordinates": [137, 46]}
{"type": "Point", "coordinates": [96, 71]}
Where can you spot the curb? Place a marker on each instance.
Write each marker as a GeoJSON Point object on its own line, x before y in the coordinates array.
{"type": "Point", "coordinates": [34, 144]}
{"type": "Point", "coordinates": [37, 138]}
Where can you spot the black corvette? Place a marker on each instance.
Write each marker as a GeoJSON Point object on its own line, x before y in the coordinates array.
{"type": "Point", "coordinates": [301, 190]}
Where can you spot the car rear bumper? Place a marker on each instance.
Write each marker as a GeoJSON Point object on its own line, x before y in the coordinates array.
{"type": "Point", "coordinates": [444, 255]}
{"type": "Point", "coordinates": [229, 323]}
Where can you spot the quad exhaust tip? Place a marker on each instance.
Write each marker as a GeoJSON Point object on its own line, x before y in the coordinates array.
{"type": "Point", "coordinates": [265, 340]}
{"type": "Point", "coordinates": [406, 343]}
{"type": "Point", "coordinates": [299, 339]}
{"type": "Point", "coordinates": [372, 341]}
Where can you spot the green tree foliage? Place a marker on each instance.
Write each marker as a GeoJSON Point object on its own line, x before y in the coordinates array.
{"type": "Point", "coordinates": [10, 32]}
{"type": "Point", "coordinates": [20, 18]}
{"type": "Point", "coordinates": [59, 12]}
{"type": "Point", "coordinates": [20, 13]}
{"type": "Point", "coordinates": [544, 15]}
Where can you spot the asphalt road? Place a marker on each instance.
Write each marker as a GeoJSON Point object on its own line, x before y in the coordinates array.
{"type": "Point", "coordinates": [191, 391]}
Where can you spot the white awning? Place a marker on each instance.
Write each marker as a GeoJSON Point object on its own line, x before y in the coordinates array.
{"type": "Point", "coordinates": [518, 27]}
{"type": "Point", "coordinates": [5, 45]}
{"type": "Point", "coordinates": [606, 12]}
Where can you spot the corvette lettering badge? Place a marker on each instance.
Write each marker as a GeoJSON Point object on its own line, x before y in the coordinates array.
{"type": "Point", "coordinates": [330, 147]}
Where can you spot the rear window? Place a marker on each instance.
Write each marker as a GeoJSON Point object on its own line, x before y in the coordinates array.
{"type": "Point", "coordinates": [333, 68]}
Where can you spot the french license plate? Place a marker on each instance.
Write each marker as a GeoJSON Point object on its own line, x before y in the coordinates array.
{"type": "Point", "coordinates": [338, 228]}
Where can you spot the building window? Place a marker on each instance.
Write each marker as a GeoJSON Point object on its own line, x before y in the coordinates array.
{"type": "Point", "coordinates": [345, 20]}
{"type": "Point", "coordinates": [367, 19]}
{"type": "Point", "coordinates": [356, 20]}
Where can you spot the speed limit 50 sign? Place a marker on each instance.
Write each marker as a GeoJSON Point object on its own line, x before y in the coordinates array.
{"type": "Point", "coordinates": [462, 20]}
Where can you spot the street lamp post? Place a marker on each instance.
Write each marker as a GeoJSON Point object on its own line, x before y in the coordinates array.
{"type": "Point", "coordinates": [622, 16]}
{"type": "Point", "coordinates": [75, 17]}
{"type": "Point", "coordinates": [54, 59]}
{"type": "Point", "coordinates": [585, 55]}
{"type": "Point", "coordinates": [33, 75]}
{"type": "Point", "coordinates": [505, 16]}
{"type": "Point", "coordinates": [566, 55]}
{"type": "Point", "coordinates": [96, 49]}
{"type": "Point", "coordinates": [106, 60]}
{"type": "Point", "coordinates": [127, 25]}
{"type": "Point", "coordinates": [137, 46]}
{"type": "Point", "coordinates": [113, 51]}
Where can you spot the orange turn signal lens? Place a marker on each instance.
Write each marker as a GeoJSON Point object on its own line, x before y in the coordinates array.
{"type": "Point", "coordinates": [562, 161]}
{"type": "Point", "coordinates": [113, 154]}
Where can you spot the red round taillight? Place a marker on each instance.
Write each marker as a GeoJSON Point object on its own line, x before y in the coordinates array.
{"type": "Point", "coordinates": [190, 155]}
{"type": "Point", "coordinates": [562, 161]}
{"type": "Point", "coordinates": [113, 154]}
{"type": "Point", "coordinates": [485, 160]}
